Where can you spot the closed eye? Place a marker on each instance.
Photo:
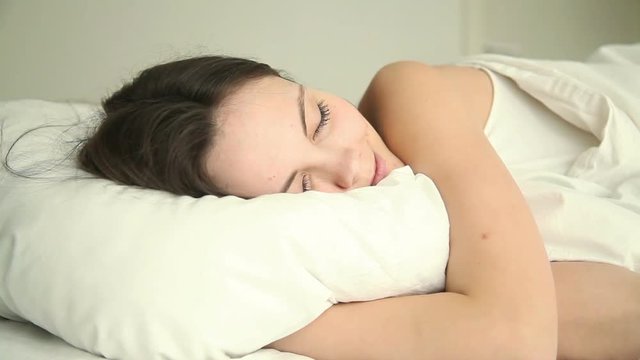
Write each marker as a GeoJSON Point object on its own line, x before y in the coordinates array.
{"type": "Point", "coordinates": [325, 116]}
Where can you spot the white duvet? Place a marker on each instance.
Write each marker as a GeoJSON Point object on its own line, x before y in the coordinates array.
{"type": "Point", "coordinates": [593, 212]}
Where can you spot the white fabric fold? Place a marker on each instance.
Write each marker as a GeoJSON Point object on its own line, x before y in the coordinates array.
{"type": "Point", "coordinates": [593, 212]}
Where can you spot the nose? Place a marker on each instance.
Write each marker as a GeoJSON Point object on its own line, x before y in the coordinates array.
{"type": "Point", "coordinates": [341, 172]}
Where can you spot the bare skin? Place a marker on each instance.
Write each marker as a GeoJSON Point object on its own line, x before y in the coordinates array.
{"type": "Point", "coordinates": [501, 296]}
{"type": "Point", "coordinates": [596, 304]}
{"type": "Point", "coordinates": [598, 315]}
{"type": "Point", "coordinates": [598, 311]}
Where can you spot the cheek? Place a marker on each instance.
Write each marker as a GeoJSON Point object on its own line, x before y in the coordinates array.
{"type": "Point", "coordinates": [351, 120]}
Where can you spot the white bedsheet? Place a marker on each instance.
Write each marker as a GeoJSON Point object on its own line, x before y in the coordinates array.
{"type": "Point", "coordinates": [24, 341]}
{"type": "Point", "coordinates": [593, 212]}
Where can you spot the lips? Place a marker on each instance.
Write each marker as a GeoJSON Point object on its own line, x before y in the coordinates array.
{"type": "Point", "coordinates": [380, 169]}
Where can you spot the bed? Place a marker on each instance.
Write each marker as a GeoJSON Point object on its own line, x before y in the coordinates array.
{"type": "Point", "coordinates": [26, 341]}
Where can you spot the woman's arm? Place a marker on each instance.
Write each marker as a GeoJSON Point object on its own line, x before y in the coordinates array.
{"type": "Point", "coordinates": [497, 256]}
{"type": "Point", "coordinates": [500, 300]}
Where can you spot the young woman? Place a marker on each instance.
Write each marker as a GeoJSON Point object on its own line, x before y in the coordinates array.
{"type": "Point", "coordinates": [218, 125]}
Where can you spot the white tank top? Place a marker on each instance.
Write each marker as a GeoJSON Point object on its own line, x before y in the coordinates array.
{"type": "Point", "coordinates": [527, 135]}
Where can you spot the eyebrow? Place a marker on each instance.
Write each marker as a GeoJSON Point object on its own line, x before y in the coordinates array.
{"type": "Point", "coordinates": [303, 120]}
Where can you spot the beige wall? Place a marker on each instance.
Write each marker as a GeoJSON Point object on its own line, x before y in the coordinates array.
{"type": "Point", "coordinates": [79, 49]}
{"type": "Point", "coordinates": [82, 49]}
{"type": "Point", "coordinates": [553, 29]}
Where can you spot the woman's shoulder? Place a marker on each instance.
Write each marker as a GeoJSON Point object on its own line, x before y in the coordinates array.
{"type": "Point", "coordinates": [403, 68]}
{"type": "Point", "coordinates": [410, 72]}
{"type": "Point", "coordinates": [409, 87]}
{"type": "Point", "coordinates": [397, 75]}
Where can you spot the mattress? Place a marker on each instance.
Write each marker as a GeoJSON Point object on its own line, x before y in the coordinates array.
{"type": "Point", "coordinates": [25, 341]}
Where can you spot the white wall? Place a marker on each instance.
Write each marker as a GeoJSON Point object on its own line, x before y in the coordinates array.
{"type": "Point", "coordinates": [81, 49]}
{"type": "Point", "coordinates": [552, 29]}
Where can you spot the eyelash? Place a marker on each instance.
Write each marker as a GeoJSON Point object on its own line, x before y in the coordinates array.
{"type": "Point", "coordinates": [306, 183]}
{"type": "Point", "coordinates": [325, 116]}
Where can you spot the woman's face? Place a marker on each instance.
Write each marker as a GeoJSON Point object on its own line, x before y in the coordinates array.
{"type": "Point", "coordinates": [278, 136]}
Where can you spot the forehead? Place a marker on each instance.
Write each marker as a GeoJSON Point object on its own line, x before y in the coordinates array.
{"type": "Point", "coordinates": [259, 128]}
{"type": "Point", "coordinates": [263, 91]}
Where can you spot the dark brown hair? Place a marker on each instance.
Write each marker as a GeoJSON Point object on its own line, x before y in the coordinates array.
{"type": "Point", "coordinates": [157, 128]}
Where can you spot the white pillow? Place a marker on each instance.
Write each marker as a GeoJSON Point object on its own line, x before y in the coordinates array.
{"type": "Point", "coordinates": [132, 273]}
